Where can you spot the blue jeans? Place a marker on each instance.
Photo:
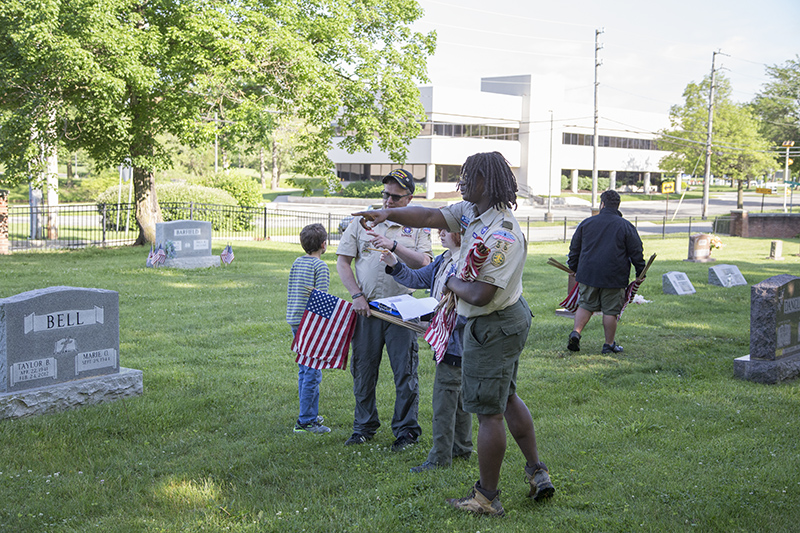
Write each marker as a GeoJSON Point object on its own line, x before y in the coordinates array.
{"type": "Point", "coordinates": [308, 380]}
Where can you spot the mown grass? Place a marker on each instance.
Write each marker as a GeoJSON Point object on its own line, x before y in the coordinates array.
{"type": "Point", "coordinates": [660, 438]}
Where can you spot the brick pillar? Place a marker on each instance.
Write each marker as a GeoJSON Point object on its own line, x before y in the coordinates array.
{"type": "Point", "coordinates": [4, 222]}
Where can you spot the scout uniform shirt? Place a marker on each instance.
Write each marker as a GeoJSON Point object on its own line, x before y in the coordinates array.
{"type": "Point", "coordinates": [370, 272]}
{"type": "Point", "coordinates": [503, 268]}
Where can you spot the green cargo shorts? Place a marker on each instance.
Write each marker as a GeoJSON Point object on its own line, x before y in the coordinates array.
{"type": "Point", "coordinates": [492, 346]}
{"type": "Point", "coordinates": [594, 299]}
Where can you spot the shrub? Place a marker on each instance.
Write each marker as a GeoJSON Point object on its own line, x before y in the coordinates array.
{"type": "Point", "coordinates": [565, 182]}
{"type": "Point", "coordinates": [363, 189]}
{"type": "Point", "coordinates": [244, 189]}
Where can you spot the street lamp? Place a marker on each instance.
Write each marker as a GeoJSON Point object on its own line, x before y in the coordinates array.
{"type": "Point", "coordinates": [787, 144]}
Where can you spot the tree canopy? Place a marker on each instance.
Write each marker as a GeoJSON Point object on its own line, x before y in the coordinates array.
{"type": "Point", "coordinates": [778, 106]}
{"type": "Point", "coordinates": [739, 150]}
{"type": "Point", "coordinates": [112, 76]}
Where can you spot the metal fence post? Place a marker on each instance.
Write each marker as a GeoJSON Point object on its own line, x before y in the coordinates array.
{"type": "Point", "coordinates": [528, 231]}
{"type": "Point", "coordinates": [104, 224]}
{"type": "Point", "coordinates": [690, 225]}
{"type": "Point", "coordinates": [664, 228]}
{"type": "Point", "coordinates": [329, 228]}
{"type": "Point", "coordinates": [265, 223]}
{"type": "Point", "coordinates": [565, 229]}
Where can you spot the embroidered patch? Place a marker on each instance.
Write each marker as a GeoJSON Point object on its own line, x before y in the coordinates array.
{"type": "Point", "coordinates": [487, 279]}
{"type": "Point", "coordinates": [407, 230]}
{"type": "Point", "coordinates": [464, 221]}
{"type": "Point", "coordinates": [504, 236]}
{"type": "Point", "coordinates": [498, 258]}
{"type": "Point", "coordinates": [484, 230]}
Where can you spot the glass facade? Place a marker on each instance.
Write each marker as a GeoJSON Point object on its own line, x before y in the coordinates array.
{"type": "Point", "coordinates": [606, 141]}
{"type": "Point", "coordinates": [367, 172]}
{"type": "Point", "coordinates": [478, 131]}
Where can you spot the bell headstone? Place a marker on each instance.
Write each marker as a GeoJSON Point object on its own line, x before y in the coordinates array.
{"type": "Point", "coordinates": [59, 347]}
{"type": "Point", "coordinates": [700, 248]}
{"type": "Point", "coordinates": [774, 332]}
{"type": "Point", "coordinates": [725, 276]}
{"type": "Point", "coordinates": [187, 243]}
{"type": "Point", "coordinates": [676, 283]}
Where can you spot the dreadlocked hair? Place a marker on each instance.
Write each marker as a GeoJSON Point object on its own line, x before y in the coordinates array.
{"type": "Point", "coordinates": [499, 183]}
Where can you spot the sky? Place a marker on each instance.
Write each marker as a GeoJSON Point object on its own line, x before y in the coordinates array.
{"type": "Point", "coordinates": [649, 51]}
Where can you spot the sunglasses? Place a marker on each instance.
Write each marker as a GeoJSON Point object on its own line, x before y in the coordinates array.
{"type": "Point", "coordinates": [394, 197]}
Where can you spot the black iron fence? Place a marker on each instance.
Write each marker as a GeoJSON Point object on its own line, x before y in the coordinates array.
{"type": "Point", "coordinates": [80, 225]}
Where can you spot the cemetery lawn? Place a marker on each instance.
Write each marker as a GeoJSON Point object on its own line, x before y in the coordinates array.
{"type": "Point", "coordinates": [659, 438]}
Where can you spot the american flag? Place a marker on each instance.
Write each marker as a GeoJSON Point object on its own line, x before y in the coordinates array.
{"type": "Point", "coordinates": [160, 256]}
{"type": "Point", "coordinates": [227, 255]}
{"type": "Point", "coordinates": [443, 322]}
{"type": "Point", "coordinates": [149, 262]}
{"type": "Point", "coordinates": [570, 303]}
{"type": "Point", "coordinates": [323, 337]}
{"type": "Point", "coordinates": [634, 285]}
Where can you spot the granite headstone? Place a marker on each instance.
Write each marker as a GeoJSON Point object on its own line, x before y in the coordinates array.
{"type": "Point", "coordinates": [774, 331]}
{"type": "Point", "coordinates": [61, 345]}
{"type": "Point", "coordinates": [676, 283]}
{"type": "Point", "coordinates": [187, 242]}
{"type": "Point", "coordinates": [700, 248]}
{"type": "Point", "coordinates": [725, 276]}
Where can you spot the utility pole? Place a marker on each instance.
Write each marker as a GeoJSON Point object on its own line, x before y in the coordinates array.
{"type": "Point", "coordinates": [595, 139]}
{"type": "Point", "coordinates": [707, 174]}
{"type": "Point", "coordinates": [787, 145]}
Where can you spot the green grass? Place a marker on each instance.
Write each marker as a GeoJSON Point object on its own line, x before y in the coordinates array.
{"type": "Point", "coordinates": [660, 438]}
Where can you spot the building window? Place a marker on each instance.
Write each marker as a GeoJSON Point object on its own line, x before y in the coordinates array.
{"type": "Point", "coordinates": [580, 139]}
{"type": "Point", "coordinates": [376, 172]}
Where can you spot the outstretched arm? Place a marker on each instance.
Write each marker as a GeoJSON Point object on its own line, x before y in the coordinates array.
{"type": "Point", "coordinates": [412, 216]}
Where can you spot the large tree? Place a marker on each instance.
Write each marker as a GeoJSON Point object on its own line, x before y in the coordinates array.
{"type": "Point", "coordinates": [778, 106]}
{"type": "Point", "coordinates": [117, 74]}
{"type": "Point", "coordinates": [739, 151]}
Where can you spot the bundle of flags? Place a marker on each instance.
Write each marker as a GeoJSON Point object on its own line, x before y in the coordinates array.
{"type": "Point", "coordinates": [570, 303]}
{"type": "Point", "coordinates": [634, 285]}
{"type": "Point", "coordinates": [444, 320]}
{"type": "Point", "coordinates": [325, 331]}
{"type": "Point", "coordinates": [156, 257]}
{"type": "Point", "coordinates": [227, 255]}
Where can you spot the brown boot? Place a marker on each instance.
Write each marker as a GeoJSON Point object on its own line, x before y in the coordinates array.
{"type": "Point", "coordinates": [477, 503]}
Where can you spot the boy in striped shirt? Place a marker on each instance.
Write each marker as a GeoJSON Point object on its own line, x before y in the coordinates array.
{"type": "Point", "coordinates": [308, 272]}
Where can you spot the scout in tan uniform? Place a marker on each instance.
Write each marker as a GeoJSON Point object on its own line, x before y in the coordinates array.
{"type": "Point", "coordinates": [413, 247]}
{"type": "Point", "coordinates": [498, 322]}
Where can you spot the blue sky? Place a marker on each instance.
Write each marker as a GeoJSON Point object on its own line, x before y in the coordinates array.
{"type": "Point", "coordinates": [650, 50]}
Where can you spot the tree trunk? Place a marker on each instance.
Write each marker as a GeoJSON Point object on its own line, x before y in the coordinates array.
{"type": "Point", "coordinates": [148, 213]}
{"type": "Point", "coordinates": [276, 176]}
{"type": "Point", "coordinates": [740, 196]}
{"type": "Point", "coordinates": [262, 168]}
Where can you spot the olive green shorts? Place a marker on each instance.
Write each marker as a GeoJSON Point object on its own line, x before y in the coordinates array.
{"type": "Point", "coordinates": [594, 299]}
{"type": "Point", "coordinates": [492, 346]}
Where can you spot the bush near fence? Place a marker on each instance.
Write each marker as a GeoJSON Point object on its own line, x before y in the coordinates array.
{"type": "Point", "coordinates": [208, 201]}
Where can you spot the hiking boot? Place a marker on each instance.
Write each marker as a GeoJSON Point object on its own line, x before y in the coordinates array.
{"type": "Point", "coordinates": [612, 348]}
{"type": "Point", "coordinates": [404, 441]}
{"type": "Point", "coordinates": [574, 343]}
{"type": "Point", "coordinates": [539, 478]}
{"type": "Point", "coordinates": [427, 465]}
{"type": "Point", "coordinates": [357, 438]}
{"type": "Point", "coordinates": [477, 503]}
{"type": "Point", "coordinates": [311, 427]}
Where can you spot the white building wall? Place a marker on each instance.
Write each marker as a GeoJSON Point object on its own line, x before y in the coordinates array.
{"type": "Point", "coordinates": [526, 102]}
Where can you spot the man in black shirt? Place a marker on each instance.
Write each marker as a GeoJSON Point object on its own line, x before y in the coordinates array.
{"type": "Point", "coordinates": [601, 253]}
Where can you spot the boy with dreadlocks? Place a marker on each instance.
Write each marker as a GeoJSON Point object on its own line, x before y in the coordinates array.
{"type": "Point", "coordinates": [498, 320]}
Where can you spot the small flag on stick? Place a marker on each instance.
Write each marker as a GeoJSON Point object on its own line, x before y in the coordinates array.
{"type": "Point", "coordinates": [160, 256]}
{"type": "Point", "coordinates": [633, 287]}
{"type": "Point", "coordinates": [149, 262]}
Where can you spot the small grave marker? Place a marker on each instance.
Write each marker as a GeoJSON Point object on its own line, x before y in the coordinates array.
{"type": "Point", "coordinates": [676, 283]}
